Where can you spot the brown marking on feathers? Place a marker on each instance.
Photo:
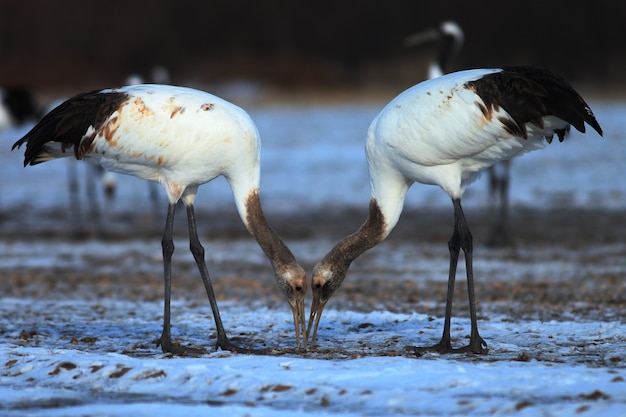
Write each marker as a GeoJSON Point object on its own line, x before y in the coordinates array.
{"type": "Point", "coordinates": [528, 94]}
{"type": "Point", "coordinates": [502, 90]}
{"type": "Point", "coordinates": [69, 123]}
{"type": "Point", "coordinates": [487, 113]}
{"type": "Point", "coordinates": [174, 191]}
{"type": "Point", "coordinates": [102, 123]}
{"type": "Point", "coordinates": [173, 108]}
{"type": "Point", "coordinates": [84, 147]}
{"type": "Point", "coordinates": [513, 128]}
{"type": "Point", "coordinates": [207, 106]}
{"type": "Point", "coordinates": [140, 109]}
{"type": "Point", "coordinates": [177, 110]}
{"type": "Point", "coordinates": [110, 129]}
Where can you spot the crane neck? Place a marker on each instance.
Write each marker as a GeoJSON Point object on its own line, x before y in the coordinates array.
{"type": "Point", "coordinates": [269, 241]}
{"type": "Point", "coordinates": [372, 232]}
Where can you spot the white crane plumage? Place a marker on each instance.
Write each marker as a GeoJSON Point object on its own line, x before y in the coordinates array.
{"type": "Point", "coordinates": [180, 138]}
{"type": "Point", "coordinates": [449, 37]}
{"type": "Point", "coordinates": [443, 132]}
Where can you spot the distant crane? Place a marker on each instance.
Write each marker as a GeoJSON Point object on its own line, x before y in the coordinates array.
{"type": "Point", "coordinates": [180, 138]}
{"type": "Point", "coordinates": [449, 37]}
{"type": "Point", "coordinates": [443, 132]}
{"type": "Point", "coordinates": [17, 106]}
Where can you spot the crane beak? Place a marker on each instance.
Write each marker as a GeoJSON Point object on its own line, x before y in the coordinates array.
{"type": "Point", "coordinates": [316, 314]}
{"type": "Point", "coordinates": [421, 37]}
{"type": "Point", "coordinates": [297, 308]}
{"type": "Point", "coordinates": [299, 322]}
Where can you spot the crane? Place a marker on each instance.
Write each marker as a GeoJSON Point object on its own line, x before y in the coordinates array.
{"type": "Point", "coordinates": [180, 138]}
{"type": "Point", "coordinates": [17, 106]}
{"type": "Point", "coordinates": [443, 132]}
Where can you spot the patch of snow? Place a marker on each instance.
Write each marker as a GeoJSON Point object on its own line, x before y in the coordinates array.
{"type": "Point", "coordinates": [98, 358]}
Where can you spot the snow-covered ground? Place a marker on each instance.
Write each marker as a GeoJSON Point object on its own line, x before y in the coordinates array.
{"type": "Point", "coordinates": [98, 359]}
{"type": "Point", "coordinates": [69, 352]}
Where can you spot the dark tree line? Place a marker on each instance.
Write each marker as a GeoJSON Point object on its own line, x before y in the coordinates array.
{"type": "Point", "coordinates": [45, 42]}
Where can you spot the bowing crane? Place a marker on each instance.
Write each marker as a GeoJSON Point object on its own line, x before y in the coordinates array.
{"type": "Point", "coordinates": [180, 138]}
{"type": "Point", "coordinates": [443, 132]}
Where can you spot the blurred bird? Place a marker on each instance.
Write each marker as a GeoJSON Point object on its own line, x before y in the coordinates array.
{"type": "Point", "coordinates": [180, 138]}
{"type": "Point", "coordinates": [17, 106]}
{"type": "Point", "coordinates": [443, 132]}
{"type": "Point", "coordinates": [449, 38]}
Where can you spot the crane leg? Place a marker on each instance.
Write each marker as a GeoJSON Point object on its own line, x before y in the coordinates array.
{"type": "Point", "coordinates": [167, 243]}
{"type": "Point", "coordinates": [499, 179]}
{"type": "Point", "coordinates": [476, 344]}
{"type": "Point", "coordinates": [165, 341]}
{"type": "Point", "coordinates": [77, 222]}
{"type": "Point", "coordinates": [198, 254]}
{"type": "Point", "coordinates": [461, 239]}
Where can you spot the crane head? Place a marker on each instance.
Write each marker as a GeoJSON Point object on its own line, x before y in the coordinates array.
{"type": "Point", "coordinates": [292, 282]}
{"type": "Point", "coordinates": [324, 282]}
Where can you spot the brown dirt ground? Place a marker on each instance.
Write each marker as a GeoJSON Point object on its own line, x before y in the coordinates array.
{"type": "Point", "coordinates": [597, 296]}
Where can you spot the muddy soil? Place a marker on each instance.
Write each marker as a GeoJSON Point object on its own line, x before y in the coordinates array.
{"type": "Point", "coordinates": [596, 237]}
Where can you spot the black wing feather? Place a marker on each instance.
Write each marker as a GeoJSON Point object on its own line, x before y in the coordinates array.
{"type": "Point", "coordinates": [528, 94]}
{"type": "Point", "coordinates": [68, 122]}
{"type": "Point", "coordinates": [560, 98]}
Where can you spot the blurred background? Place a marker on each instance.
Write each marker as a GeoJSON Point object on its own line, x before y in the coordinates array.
{"type": "Point", "coordinates": [289, 46]}
{"type": "Point", "coordinates": [312, 75]}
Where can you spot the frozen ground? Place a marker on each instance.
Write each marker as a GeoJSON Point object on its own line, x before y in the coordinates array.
{"type": "Point", "coordinates": [79, 315]}
{"type": "Point", "coordinates": [98, 358]}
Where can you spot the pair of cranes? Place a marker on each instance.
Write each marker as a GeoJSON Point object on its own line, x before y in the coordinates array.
{"type": "Point", "coordinates": [442, 132]}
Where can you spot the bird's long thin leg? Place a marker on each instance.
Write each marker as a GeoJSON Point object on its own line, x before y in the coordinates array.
{"type": "Point", "coordinates": [454, 246]}
{"type": "Point", "coordinates": [167, 244]}
{"type": "Point", "coordinates": [499, 179]}
{"type": "Point", "coordinates": [198, 254]}
{"type": "Point", "coordinates": [92, 196]}
{"type": "Point", "coordinates": [461, 239]}
{"type": "Point", "coordinates": [76, 220]}
{"type": "Point", "coordinates": [476, 344]}
{"type": "Point", "coordinates": [504, 204]}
